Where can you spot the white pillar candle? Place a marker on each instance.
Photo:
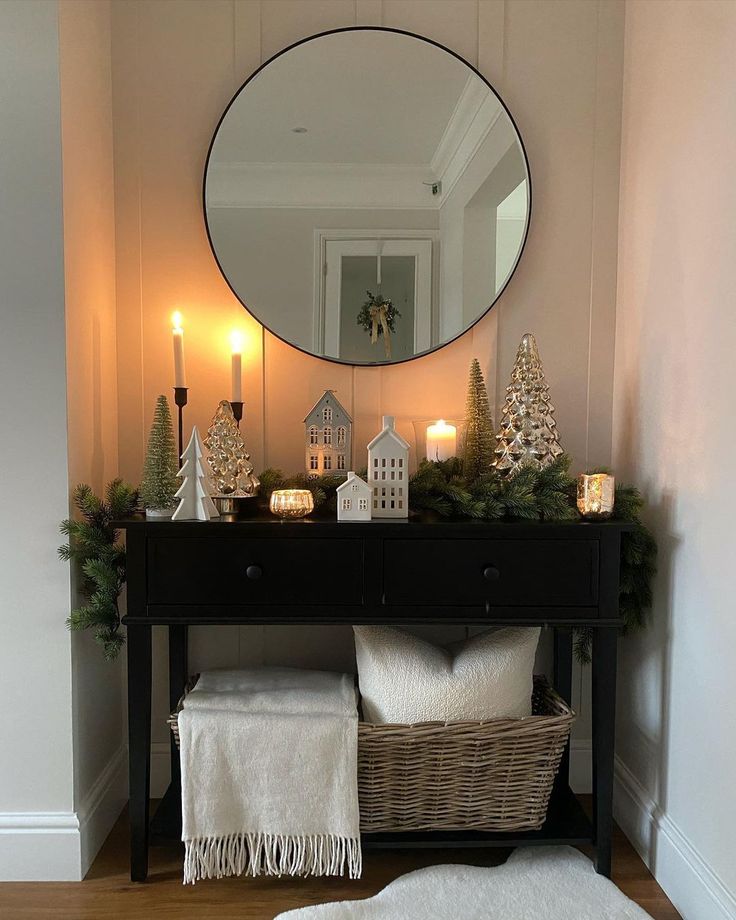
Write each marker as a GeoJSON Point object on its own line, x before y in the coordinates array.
{"type": "Point", "coordinates": [236, 365]}
{"type": "Point", "coordinates": [180, 379]}
{"type": "Point", "coordinates": [441, 441]}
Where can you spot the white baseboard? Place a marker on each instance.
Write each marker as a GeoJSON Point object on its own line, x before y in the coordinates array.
{"type": "Point", "coordinates": [60, 846]}
{"type": "Point", "coordinates": [40, 847]}
{"type": "Point", "coordinates": [688, 881]}
{"type": "Point", "coordinates": [101, 807]}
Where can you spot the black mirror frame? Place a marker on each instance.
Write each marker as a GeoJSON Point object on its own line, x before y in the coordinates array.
{"type": "Point", "coordinates": [511, 274]}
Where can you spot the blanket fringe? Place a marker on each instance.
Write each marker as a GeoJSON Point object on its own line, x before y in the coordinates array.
{"type": "Point", "coordinates": [271, 854]}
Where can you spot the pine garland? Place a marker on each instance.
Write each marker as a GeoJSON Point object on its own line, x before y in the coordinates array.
{"type": "Point", "coordinates": [93, 545]}
{"type": "Point", "coordinates": [638, 568]}
{"type": "Point", "coordinates": [532, 494]}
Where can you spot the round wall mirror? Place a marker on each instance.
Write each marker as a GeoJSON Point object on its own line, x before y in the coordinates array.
{"type": "Point", "coordinates": [367, 195]}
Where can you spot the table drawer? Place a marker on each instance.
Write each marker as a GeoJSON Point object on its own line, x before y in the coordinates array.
{"type": "Point", "coordinates": [499, 572]}
{"type": "Point", "coordinates": [216, 570]}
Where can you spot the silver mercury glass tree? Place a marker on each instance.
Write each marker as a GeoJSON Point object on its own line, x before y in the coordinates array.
{"type": "Point", "coordinates": [528, 433]}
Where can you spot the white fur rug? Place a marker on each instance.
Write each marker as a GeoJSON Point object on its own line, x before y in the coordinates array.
{"type": "Point", "coordinates": [536, 883]}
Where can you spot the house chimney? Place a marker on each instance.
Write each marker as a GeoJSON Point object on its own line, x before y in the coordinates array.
{"type": "Point", "coordinates": [388, 421]}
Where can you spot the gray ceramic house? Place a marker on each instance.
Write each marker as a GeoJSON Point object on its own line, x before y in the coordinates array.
{"type": "Point", "coordinates": [329, 438]}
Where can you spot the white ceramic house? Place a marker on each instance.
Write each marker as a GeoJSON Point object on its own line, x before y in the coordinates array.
{"type": "Point", "coordinates": [328, 438]}
{"type": "Point", "coordinates": [354, 499]}
{"type": "Point", "coordinates": [388, 472]}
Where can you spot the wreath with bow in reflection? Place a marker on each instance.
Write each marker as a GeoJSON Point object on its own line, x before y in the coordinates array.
{"type": "Point", "coordinates": [378, 317]}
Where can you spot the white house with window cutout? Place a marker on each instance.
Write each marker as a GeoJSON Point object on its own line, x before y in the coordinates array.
{"type": "Point", "coordinates": [388, 472]}
{"type": "Point", "coordinates": [328, 430]}
{"type": "Point", "coordinates": [354, 499]}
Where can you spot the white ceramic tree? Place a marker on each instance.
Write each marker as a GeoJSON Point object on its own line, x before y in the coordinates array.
{"type": "Point", "coordinates": [195, 502]}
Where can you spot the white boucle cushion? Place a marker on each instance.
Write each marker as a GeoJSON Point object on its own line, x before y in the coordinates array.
{"type": "Point", "coordinates": [405, 679]}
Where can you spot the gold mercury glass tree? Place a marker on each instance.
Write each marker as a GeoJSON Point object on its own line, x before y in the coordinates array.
{"type": "Point", "coordinates": [528, 431]}
{"type": "Point", "coordinates": [231, 472]}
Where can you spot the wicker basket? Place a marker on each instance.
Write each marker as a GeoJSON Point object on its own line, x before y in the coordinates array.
{"type": "Point", "coordinates": [492, 776]}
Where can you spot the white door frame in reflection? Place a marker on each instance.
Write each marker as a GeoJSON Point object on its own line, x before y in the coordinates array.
{"type": "Point", "coordinates": [423, 245]}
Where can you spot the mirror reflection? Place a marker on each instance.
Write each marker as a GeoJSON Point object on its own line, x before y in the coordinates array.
{"type": "Point", "coordinates": [367, 196]}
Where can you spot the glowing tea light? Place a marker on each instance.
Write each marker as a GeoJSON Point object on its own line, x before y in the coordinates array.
{"type": "Point", "coordinates": [291, 503]}
{"type": "Point", "coordinates": [596, 493]}
{"type": "Point", "coordinates": [441, 441]}
{"type": "Point", "coordinates": [180, 379]}
{"type": "Point", "coordinates": [236, 365]}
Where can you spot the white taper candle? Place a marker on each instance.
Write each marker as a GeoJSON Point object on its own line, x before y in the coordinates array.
{"type": "Point", "coordinates": [180, 379]}
{"type": "Point", "coordinates": [236, 366]}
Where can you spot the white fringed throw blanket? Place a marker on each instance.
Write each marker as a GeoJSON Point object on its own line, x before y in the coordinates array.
{"type": "Point", "coordinates": [269, 774]}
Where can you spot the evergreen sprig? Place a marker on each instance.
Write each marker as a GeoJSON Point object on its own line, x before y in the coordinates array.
{"type": "Point", "coordinates": [638, 567]}
{"type": "Point", "coordinates": [92, 543]}
{"type": "Point", "coordinates": [532, 494]}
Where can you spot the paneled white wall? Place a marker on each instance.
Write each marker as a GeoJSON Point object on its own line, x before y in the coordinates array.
{"type": "Point", "coordinates": [89, 263]}
{"type": "Point", "coordinates": [176, 63]}
{"type": "Point", "coordinates": [676, 738]}
{"type": "Point", "coordinates": [39, 835]}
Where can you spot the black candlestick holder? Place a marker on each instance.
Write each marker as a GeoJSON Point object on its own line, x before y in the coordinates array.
{"type": "Point", "coordinates": [237, 411]}
{"type": "Point", "coordinates": [180, 398]}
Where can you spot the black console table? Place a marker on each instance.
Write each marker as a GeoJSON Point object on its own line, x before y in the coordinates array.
{"type": "Point", "coordinates": [316, 571]}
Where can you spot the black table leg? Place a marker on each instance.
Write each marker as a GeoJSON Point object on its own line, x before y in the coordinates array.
{"type": "Point", "coordinates": [563, 685]}
{"type": "Point", "coordinates": [178, 675]}
{"type": "Point", "coordinates": [605, 640]}
{"type": "Point", "coordinates": [139, 746]}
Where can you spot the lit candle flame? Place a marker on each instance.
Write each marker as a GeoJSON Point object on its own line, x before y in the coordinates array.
{"type": "Point", "coordinates": [176, 320]}
{"type": "Point", "coordinates": [236, 342]}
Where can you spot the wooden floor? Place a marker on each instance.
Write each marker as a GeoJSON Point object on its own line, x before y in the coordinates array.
{"type": "Point", "coordinates": [107, 893]}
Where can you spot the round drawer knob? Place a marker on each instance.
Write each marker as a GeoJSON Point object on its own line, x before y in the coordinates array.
{"type": "Point", "coordinates": [254, 572]}
{"type": "Point", "coordinates": [491, 573]}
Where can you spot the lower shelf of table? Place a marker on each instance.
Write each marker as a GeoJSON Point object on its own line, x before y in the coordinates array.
{"type": "Point", "coordinates": [566, 823]}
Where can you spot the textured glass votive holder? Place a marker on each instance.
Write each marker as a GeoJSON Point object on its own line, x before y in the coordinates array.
{"type": "Point", "coordinates": [426, 445]}
{"type": "Point", "coordinates": [291, 503]}
{"type": "Point", "coordinates": [596, 494]}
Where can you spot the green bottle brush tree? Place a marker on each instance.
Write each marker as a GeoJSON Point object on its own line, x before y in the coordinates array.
{"type": "Point", "coordinates": [160, 481]}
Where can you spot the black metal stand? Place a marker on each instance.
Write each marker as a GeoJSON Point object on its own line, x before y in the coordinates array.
{"type": "Point", "coordinates": [237, 411]}
{"type": "Point", "coordinates": [180, 398]}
